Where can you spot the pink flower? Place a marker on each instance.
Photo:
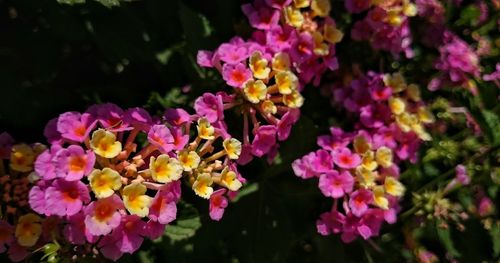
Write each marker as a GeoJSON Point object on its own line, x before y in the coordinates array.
{"type": "Point", "coordinates": [176, 117]}
{"type": "Point", "coordinates": [50, 132]}
{"type": "Point", "coordinates": [37, 198]}
{"type": "Point", "coordinates": [7, 235]}
{"type": "Point", "coordinates": [154, 230]}
{"type": "Point", "coordinates": [357, 6]}
{"type": "Point", "coordinates": [236, 75]}
{"type": "Point", "coordinates": [345, 159]}
{"type": "Point", "coordinates": [217, 204]}
{"type": "Point", "coordinates": [246, 154]}
{"type": "Point", "coordinates": [303, 47]}
{"type": "Point", "coordinates": [330, 223]}
{"type": "Point", "coordinates": [278, 4]}
{"type": "Point", "coordinates": [303, 167]}
{"type": "Point", "coordinates": [161, 137]}
{"type": "Point", "coordinates": [75, 126]}
{"type": "Point", "coordinates": [163, 208]}
{"type": "Point", "coordinates": [232, 54]}
{"type": "Point", "coordinates": [265, 138]}
{"type": "Point", "coordinates": [180, 139]}
{"type": "Point", "coordinates": [359, 201]}
{"type": "Point", "coordinates": [17, 252]}
{"type": "Point", "coordinates": [44, 163]}
{"type": "Point", "coordinates": [66, 198]}
{"type": "Point", "coordinates": [485, 207]}
{"type": "Point", "coordinates": [103, 215]}
{"type": "Point", "coordinates": [380, 92]}
{"type": "Point", "coordinates": [126, 238]}
{"type": "Point", "coordinates": [75, 231]}
{"type": "Point", "coordinates": [280, 38]}
{"type": "Point", "coordinates": [461, 175]}
{"type": "Point", "coordinates": [73, 163]}
{"type": "Point", "coordinates": [204, 58]}
{"type": "Point", "coordinates": [336, 185]}
{"type": "Point", "coordinates": [285, 124]}
{"type": "Point", "coordinates": [261, 17]}
{"type": "Point", "coordinates": [210, 106]}
{"type": "Point", "coordinates": [322, 162]}
{"type": "Point", "coordinates": [139, 118]}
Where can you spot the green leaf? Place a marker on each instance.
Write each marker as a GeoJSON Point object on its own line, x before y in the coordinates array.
{"type": "Point", "coordinates": [495, 238]}
{"type": "Point", "coordinates": [109, 3]}
{"type": "Point", "coordinates": [469, 15]}
{"type": "Point", "coordinates": [71, 2]}
{"type": "Point", "coordinates": [188, 221]}
{"type": "Point", "coordinates": [444, 235]}
{"type": "Point", "coordinates": [246, 190]}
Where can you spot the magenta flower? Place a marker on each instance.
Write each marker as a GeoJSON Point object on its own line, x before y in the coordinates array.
{"type": "Point", "coordinates": [330, 223]}
{"type": "Point", "coordinates": [261, 17]}
{"type": "Point", "coordinates": [359, 201]}
{"type": "Point", "coordinates": [336, 185]}
{"type": "Point", "coordinates": [75, 126]}
{"type": "Point", "coordinates": [110, 116]}
{"type": "Point", "coordinates": [177, 116]}
{"type": "Point", "coordinates": [265, 138]}
{"type": "Point", "coordinates": [278, 4]}
{"type": "Point", "coordinates": [76, 232]}
{"type": "Point", "coordinates": [217, 204]}
{"type": "Point", "coordinates": [180, 139]}
{"type": "Point", "coordinates": [17, 252]}
{"type": "Point", "coordinates": [126, 238]}
{"type": "Point", "coordinates": [37, 198]}
{"type": "Point", "coordinates": [280, 38]}
{"type": "Point", "coordinates": [303, 167]}
{"type": "Point", "coordinates": [139, 118]}
{"type": "Point", "coordinates": [210, 106]}
{"type": "Point", "coordinates": [154, 230]}
{"type": "Point", "coordinates": [50, 132]}
{"type": "Point", "coordinates": [103, 215]}
{"type": "Point", "coordinates": [66, 198]}
{"type": "Point", "coordinates": [285, 124]}
{"type": "Point", "coordinates": [236, 75]}
{"type": "Point", "coordinates": [74, 162]}
{"type": "Point", "coordinates": [344, 158]}
{"type": "Point", "coordinates": [303, 47]}
{"type": "Point", "coordinates": [161, 137]}
{"type": "Point", "coordinates": [7, 235]}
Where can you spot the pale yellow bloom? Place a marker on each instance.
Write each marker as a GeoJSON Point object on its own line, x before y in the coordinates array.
{"type": "Point", "coordinates": [293, 100]}
{"type": "Point", "coordinates": [332, 34]}
{"type": "Point", "coordinates": [321, 7]}
{"type": "Point", "coordinates": [255, 90]}
{"type": "Point", "coordinates": [293, 16]}
{"type": "Point", "coordinates": [320, 47]}
{"type": "Point", "coordinates": [189, 160]}
{"type": "Point", "coordinates": [104, 183]}
{"type": "Point", "coordinates": [202, 186]}
{"type": "Point", "coordinates": [366, 177]}
{"type": "Point", "coordinates": [301, 3]}
{"type": "Point", "coordinates": [281, 62]}
{"type": "Point", "coordinates": [230, 180]}
{"type": "Point", "coordinates": [258, 65]}
{"type": "Point", "coordinates": [379, 197]}
{"type": "Point", "coordinates": [286, 82]}
{"type": "Point", "coordinates": [22, 158]}
{"type": "Point", "coordinates": [104, 144]}
{"type": "Point", "coordinates": [232, 147]}
{"type": "Point", "coordinates": [268, 107]}
{"type": "Point", "coordinates": [384, 157]}
{"type": "Point", "coordinates": [368, 162]}
{"type": "Point", "coordinates": [393, 186]}
{"type": "Point", "coordinates": [205, 129]}
{"type": "Point", "coordinates": [135, 199]}
{"type": "Point", "coordinates": [397, 105]}
{"type": "Point", "coordinates": [165, 169]}
{"type": "Point", "coordinates": [28, 230]}
{"type": "Point", "coordinates": [361, 144]}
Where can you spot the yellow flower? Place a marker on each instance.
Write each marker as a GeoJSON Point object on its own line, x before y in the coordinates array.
{"type": "Point", "coordinates": [189, 160]}
{"type": "Point", "coordinates": [104, 183]}
{"type": "Point", "coordinates": [394, 18]}
{"type": "Point", "coordinates": [366, 177]}
{"type": "Point", "coordinates": [332, 34]}
{"type": "Point", "coordinates": [384, 156]}
{"type": "Point", "coordinates": [28, 230]}
{"type": "Point", "coordinates": [268, 107]}
{"type": "Point", "coordinates": [202, 186]}
{"type": "Point", "coordinates": [286, 82]}
{"type": "Point", "coordinates": [397, 105]}
{"type": "Point", "coordinates": [281, 62]}
{"type": "Point", "coordinates": [320, 47]}
{"type": "Point", "coordinates": [104, 144]}
{"type": "Point", "coordinates": [424, 115]}
{"type": "Point", "coordinates": [419, 130]}
{"type": "Point", "coordinates": [361, 144]}
{"type": "Point", "coordinates": [368, 161]}
{"type": "Point", "coordinates": [22, 158]}
{"type": "Point", "coordinates": [258, 65]}
{"type": "Point", "coordinates": [293, 100]}
{"type": "Point", "coordinates": [301, 3]}
{"type": "Point", "coordinates": [232, 148]}
{"type": "Point", "coordinates": [205, 129]}
{"type": "Point", "coordinates": [321, 7]}
{"type": "Point", "coordinates": [135, 199]}
{"type": "Point", "coordinates": [229, 180]}
{"type": "Point", "coordinates": [293, 16]}
{"type": "Point", "coordinates": [396, 81]}
{"type": "Point", "coordinates": [405, 121]}
{"type": "Point", "coordinates": [255, 91]}
{"type": "Point", "coordinates": [413, 92]}
{"type": "Point", "coordinates": [165, 169]}
{"type": "Point", "coordinates": [393, 186]}
{"type": "Point", "coordinates": [409, 9]}
{"type": "Point", "coordinates": [379, 197]}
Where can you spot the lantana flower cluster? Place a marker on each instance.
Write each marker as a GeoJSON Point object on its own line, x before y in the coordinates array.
{"type": "Point", "coordinates": [21, 230]}
{"type": "Point", "coordinates": [458, 63]}
{"type": "Point", "coordinates": [293, 45]}
{"type": "Point", "coordinates": [113, 176]}
{"type": "Point", "coordinates": [361, 169]}
{"type": "Point", "coordinates": [386, 24]}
